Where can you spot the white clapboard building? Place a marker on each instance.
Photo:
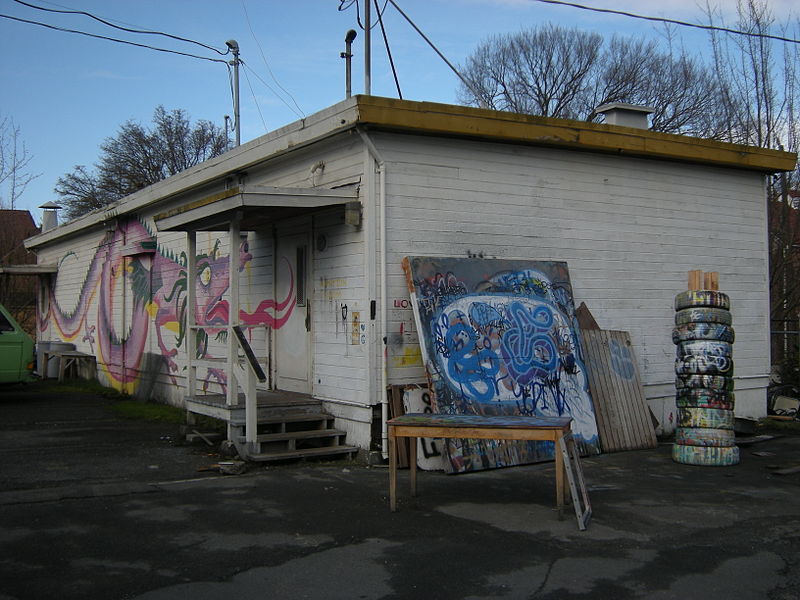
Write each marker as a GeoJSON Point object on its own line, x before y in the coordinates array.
{"type": "Point", "coordinates": [297, 238]}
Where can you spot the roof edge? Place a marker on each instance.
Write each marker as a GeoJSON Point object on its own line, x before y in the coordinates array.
{"type": "Point", "coordinates": [464, 121]}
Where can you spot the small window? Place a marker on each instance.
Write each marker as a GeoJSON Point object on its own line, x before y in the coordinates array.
{"type": "Point", "coordinates": [301, 275]}
{"type": "Point", "coordinates": [5, 324]}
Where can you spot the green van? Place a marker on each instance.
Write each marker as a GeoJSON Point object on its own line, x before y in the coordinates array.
{"type": "Point", "coordinates": [16, 350]}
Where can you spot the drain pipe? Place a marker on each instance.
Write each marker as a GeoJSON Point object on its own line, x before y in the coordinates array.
{"type": "Point", "coordinates": [384, 310]}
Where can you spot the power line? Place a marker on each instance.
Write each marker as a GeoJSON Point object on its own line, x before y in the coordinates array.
{"type": "Point", "coordinates": [388, 50]}
{"type": "Point", "coordinates": [671, 21]}
{"type": "Point", "coordinates": [346, 4]}
{"type": "Point", "coordinates": [258, 107]}
{"type": "Point", "coordinates": [435, 49]}
{"type": "Point", "coordinates": [129, 30]}
{"type": "Point", "coordinates": [261, 50]}
{"type": "Point", "coordinates": [110, 39]}
{"type": "Point", "coordinates": [270, 88]}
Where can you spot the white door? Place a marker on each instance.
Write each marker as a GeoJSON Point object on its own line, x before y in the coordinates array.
{"type": "Point", "coordinates": [293, 337]}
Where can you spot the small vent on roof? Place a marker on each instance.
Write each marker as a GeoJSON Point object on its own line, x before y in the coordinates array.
{"type": "Point", "coordinates": [49, 216]}
{"type": "Point", "coordinates": [626, 115]}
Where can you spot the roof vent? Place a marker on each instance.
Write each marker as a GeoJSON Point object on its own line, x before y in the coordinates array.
{"type": "Point", "coordinates": [49, 216]}
{"type": "Point", "coordinates": [626, 115]}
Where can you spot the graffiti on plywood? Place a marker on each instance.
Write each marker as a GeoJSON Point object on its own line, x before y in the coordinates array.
{"type": "Point", "coordinates": [132, 283]}
{"type": "Point", "coordinates": [500, 338]}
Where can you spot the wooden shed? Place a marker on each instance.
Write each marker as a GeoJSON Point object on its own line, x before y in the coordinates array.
{"type": "Point", "coordinates": [291, 246]}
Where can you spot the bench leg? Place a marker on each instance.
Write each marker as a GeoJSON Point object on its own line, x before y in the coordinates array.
{"type": "Point", "coordinates": [560, 483]}
{"type": "Point", "coordinates": [392, 472]}
{"type": "Point", "coordinates": [412, 464]}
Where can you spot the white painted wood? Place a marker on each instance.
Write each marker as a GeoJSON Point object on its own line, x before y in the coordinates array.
{"type": "Point", "coordinates": [629, 229]}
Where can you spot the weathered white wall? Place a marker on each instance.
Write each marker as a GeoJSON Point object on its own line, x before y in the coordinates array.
{"type": "Point", "coordinates": [338, 276]}
{"type": "Point", "coordinates": [630, 230]}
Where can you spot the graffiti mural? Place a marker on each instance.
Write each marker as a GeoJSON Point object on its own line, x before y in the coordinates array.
{"type": "Point", "coordinates": [500, 338]}
{"type": "Point", "coordinates": [132, 283]}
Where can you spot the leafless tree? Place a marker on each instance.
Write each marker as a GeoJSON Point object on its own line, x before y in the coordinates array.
{"type": "Point", "coordinates": [14, 163]}
{"type": "Point", "coordinates": [558, 72]}
{"type": "Point", "coordinates": [760, 107]}
{"type": "Point", "coordinates": [137, 157]}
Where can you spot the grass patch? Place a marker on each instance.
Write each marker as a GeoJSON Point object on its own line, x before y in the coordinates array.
{"type": "Point", "coordinates": [148, 411]}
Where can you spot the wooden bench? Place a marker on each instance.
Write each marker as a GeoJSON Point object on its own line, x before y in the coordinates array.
{"type": "Point", "coordinates": [555, 429]}
{"type": "Point", "coordinates": [70, 361]}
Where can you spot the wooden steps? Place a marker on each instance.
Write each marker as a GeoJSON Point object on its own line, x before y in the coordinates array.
{"type": "Point", "coordinates": [290, 426]}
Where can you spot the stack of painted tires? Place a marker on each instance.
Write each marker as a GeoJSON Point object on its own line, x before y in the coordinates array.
{"type": "Point", "coordinates": [704, 379]}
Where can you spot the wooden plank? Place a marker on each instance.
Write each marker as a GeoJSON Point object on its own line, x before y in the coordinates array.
{"type": "Point", "coordinates": [596, 385]}
{"type": "Point", "coordinates": [585, 318]}
{"type": "Point", "coordinates": [396, 406]}
{"type": "Point", "coordinates": [711, 281]}
{"type": "Point", "coordinates": [623, 416]}
{"type": "Point", "coordinates": [644, 432]}
{"type": "Point", "coordinates": [695, 280]}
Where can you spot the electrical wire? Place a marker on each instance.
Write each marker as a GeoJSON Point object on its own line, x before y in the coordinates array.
{"type": "Point", "coordinates": [670, 21]}
{"type": "Point", "coordinates": [270, 88]}
{"type": "Point", "coordinates": [258, 107]}
{"type": "Point", "coordinates": [110, 39]}
{"type": "Point", "coordinates": [301, 114]}
{"type": "Point", "coordinates": [388, 50]}
{"type": "Point", "coordinates": [129, 30]}
{"type": "Point", "coordinates": [350, 3]}
{"type": "Point", "coordinates": [435, 49]}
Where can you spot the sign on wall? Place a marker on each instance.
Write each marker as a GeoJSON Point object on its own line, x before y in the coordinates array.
{"type": "Point", "coordinates": [500, 337]}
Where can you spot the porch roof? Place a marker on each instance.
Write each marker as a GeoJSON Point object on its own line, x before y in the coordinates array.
{"type": "Point", "coordinates": [41, 269]}
{"type": "Point", "coordinates": [254, 205]}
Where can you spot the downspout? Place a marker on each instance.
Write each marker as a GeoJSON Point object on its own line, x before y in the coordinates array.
{"type": "Point", "coordinates": [384, 310]}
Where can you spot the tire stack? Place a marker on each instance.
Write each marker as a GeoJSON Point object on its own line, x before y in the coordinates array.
{"type": "Point", "coordinates": [704, 379]}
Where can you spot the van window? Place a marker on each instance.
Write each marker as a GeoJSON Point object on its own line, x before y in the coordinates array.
{"type": "Point", "coordinates": [5, 324]}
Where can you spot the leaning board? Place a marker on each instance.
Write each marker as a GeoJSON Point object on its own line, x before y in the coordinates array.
{"type": "Point", "coordinates": [499, 338]}
{"type": "Point", "coordinates": [623, 417]}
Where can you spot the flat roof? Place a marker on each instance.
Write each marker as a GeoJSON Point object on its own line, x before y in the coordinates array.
{"type": "Point", "coordinates": [432, 119]}
{"type": "Point", "coordinates": [464, 121]}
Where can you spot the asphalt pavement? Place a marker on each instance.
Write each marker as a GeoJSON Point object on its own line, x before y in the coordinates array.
{"type": "Point", "coordinates": [93, 506]}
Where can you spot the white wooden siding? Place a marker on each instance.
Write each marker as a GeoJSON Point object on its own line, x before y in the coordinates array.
{"type": "Point", "coordinates": [629, 229]}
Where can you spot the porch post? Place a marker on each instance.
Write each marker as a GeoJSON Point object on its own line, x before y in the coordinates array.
{"type": "Point", "coordinates": [233, 312]}
{"type": "Point", "coordinates": [191, 318]}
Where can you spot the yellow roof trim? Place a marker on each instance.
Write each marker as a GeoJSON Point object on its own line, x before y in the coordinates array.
{"type": "Point", "coordinates": [463, 121]}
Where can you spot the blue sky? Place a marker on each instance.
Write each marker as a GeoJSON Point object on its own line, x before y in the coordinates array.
{"type": "Point", "coordinates": [68, 92]}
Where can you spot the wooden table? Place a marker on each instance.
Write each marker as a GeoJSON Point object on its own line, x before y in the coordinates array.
{"type": "Point", "coordinates": [429, 425]}
{"type": "Point", "coordinates": [69, 359]}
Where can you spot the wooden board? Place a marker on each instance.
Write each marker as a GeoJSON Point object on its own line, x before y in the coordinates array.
{"type": "Point", "coordinates": [623, 416]}
{"type": "Point", "coordinates": [500, 338]}
{"type": "Point", "coordinates": [397, 410]}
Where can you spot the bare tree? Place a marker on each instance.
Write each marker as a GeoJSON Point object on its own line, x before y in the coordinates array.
{"type": "Point", "coordinates": [14, 163]}
{"type": "Point", "coordinates": [553, 71]}
{"type": "Point", "coordinates": [137, 157]}
{"type": "Point", "coordinates": [760, 107]}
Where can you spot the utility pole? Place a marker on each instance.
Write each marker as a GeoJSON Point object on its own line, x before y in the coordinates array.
{"type": "Point", "coordinates": [367, 48]}
{"type": "Point", "coordinates": [234, 46]}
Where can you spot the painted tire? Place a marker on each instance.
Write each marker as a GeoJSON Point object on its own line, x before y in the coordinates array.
{"type": "Point", "coordinates": [703, 331]}
{"type": "Point", "coordinates": [709, 418]}
{"type": "Point", "coordinates": [704, 348]}
{"type": "Point", "coordinates": [689, 381]}
{"type": "Point", "coordinates": [703, 402]}
{"type": "Point", "coordinates": [700, 436]}
{"type": "Point", "coordinates": [703, 315]}
{"type": "Point", "coordinates": [701, 364]}
{"type": "Point", "coordinates": [705, 456]}
{"type": "Point", "coordinates": [709, 298]}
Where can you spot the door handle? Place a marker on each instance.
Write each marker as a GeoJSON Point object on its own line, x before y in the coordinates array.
{"type": "Point", "coordinates": [308, 314]}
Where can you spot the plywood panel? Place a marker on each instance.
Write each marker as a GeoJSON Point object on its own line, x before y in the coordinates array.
{"type": "Point", "coordinates": [623, 417]}
{"type": "Point", "coordinates": [500, 338]}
